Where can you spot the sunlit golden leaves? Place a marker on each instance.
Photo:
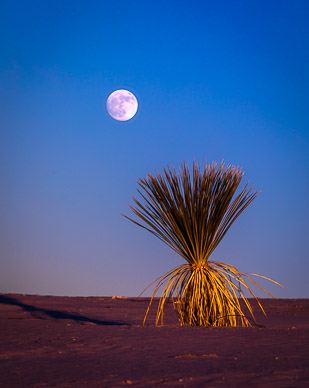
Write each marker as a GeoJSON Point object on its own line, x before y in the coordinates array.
{"type": "Point", "coordinates": [191, 214]}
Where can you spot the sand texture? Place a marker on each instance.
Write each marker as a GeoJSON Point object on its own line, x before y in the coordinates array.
{"type": "Point", "coordinates": [48, 341]}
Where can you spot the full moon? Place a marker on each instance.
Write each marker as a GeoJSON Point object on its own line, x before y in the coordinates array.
{"type": "Point", "coordinates": [122, 105]}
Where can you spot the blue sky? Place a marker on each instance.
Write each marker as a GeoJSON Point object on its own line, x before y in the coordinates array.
{"type": "Point", "coordinates": [216, 80]}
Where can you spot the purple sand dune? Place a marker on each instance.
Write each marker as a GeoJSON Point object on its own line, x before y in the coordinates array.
{"type": "Point", "coordinates": [100, 342]}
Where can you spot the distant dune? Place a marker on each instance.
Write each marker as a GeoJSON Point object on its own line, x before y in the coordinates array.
{"type": "Point", "coordinates": [100, 342]}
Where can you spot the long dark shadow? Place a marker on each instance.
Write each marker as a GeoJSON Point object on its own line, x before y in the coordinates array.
{"type": "Point", "coordinates": [55, 313]}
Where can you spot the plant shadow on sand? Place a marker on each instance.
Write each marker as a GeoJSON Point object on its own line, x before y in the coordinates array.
{"type": "Point", "coordinates": [36, 312]}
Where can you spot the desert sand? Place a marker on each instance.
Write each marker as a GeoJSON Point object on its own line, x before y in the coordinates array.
{"type": "Point", "coordinates": [49, 341]}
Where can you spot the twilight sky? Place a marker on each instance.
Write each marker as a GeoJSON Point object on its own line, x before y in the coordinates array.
{"type": "Point", "coordinates": [214, 79]}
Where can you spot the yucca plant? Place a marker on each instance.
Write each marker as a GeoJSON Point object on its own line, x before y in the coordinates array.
{"type": "Point", "coordinates": [192, 215]}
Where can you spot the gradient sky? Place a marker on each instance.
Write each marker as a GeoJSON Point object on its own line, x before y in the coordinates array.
{"type": "Point", "coordinates": [214, 79]}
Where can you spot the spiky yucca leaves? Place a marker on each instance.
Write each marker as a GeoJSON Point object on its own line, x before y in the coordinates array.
{"type": "Point", "coordinates": [192, 215]}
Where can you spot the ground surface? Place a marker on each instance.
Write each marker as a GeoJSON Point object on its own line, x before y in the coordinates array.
{"type": "Point", "coordinates": [48, 341]}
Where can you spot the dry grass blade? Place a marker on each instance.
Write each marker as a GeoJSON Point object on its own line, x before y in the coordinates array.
{"type": "Point", "coordinates": [192, 214]}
